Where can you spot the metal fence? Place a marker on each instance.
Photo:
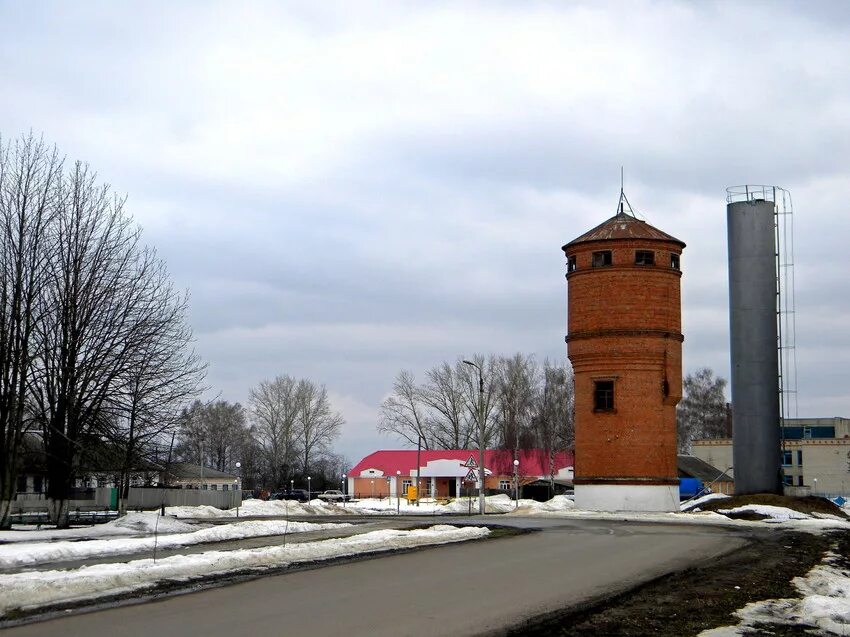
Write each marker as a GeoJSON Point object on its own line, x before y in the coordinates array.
{"type": "Point", "coordinates": [155, 498]}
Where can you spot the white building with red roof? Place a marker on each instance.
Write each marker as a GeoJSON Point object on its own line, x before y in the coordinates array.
{"type": "Point", "coordinates": [443, 472]}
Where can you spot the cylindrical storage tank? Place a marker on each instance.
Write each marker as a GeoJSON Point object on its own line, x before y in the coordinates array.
{"type": "Point", "coordinates": [753, 292]}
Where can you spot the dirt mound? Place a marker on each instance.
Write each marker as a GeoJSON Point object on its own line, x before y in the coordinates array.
{"type": "Point", "coordinates": [808, 505]}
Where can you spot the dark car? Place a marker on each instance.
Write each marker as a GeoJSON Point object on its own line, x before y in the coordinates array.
{"type": "Point", "coordinates": [297, 494]}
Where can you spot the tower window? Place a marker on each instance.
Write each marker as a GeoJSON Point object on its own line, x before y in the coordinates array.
{"type": "Point", "coordinates": [674, 261]}
{"type": "Point", "coordinates": [603, 395]}
{"type": "Point", "coordinates": [571, 264]}
{"type": "Point", "coordinates": [644, 257]}
{"type": "Point", "coordinates": [601, 258]}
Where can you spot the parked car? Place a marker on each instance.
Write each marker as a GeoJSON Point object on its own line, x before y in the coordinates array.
{"type": "Point", "coordinates": [334, 495]}
{"type": "Point", "coordinates": [296, 494]}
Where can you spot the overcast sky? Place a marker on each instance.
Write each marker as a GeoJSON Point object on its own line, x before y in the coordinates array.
{"type": "Point", "coordinates": [349, 189]}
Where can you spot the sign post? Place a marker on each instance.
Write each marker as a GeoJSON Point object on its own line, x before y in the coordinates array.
{"type": "Point", "coordinates": [471, 476]}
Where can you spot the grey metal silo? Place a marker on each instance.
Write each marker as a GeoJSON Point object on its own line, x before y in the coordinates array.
{"type": "Point", "coordinates": [753, 306]}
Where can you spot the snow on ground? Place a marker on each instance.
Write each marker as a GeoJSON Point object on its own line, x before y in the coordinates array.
{"type": "Point", "coordinates": [559, 506]}
{"type": "Point", "coordinates": [772, 513]}
{"type": "Point", "coordinates": [16, 555]}
{"type": "Point", "coordinates": [690, 505]}
{"type": "Point", "coordinates": [825, 604]}
{"type": "Point", "coordinates": [132, 524]}
{"type": "Point", "coordinates": [33, 589]}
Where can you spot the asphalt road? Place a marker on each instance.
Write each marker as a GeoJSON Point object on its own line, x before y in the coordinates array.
{"type": "Point", "coordinates": [467, 589]}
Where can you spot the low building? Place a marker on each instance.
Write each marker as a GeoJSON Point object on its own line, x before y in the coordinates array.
{"type": "Point", "coordinates": [185, 475]}
{"type": "Point", "coordinates": [446, 473]}
{"type": "Point", "coordinates": [717, 480]}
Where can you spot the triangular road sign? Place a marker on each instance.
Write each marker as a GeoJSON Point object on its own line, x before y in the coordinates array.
{"type": "Point", "coordinates": [471, 464]}
{"type": "Point", "coordinates": [471, 476]}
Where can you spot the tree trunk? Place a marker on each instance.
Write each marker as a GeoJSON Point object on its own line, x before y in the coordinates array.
{"type": "Point", "coordinates": [5, 514]}
{"type": "Point", "coordinates": [59, 478]}
{"type": "Point", "coordinates": [7, 495]}
{"type": "Point", "coordinates": [57, 513]}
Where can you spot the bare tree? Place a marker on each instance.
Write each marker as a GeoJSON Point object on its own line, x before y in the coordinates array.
{"type": "Point", "coordinates": [448, 420]}
{"type": "Point", "coordinates": [274, 407]}
{"type": "Point", "coordinates": [162, 375]}
{"type": "Point", "coordinates": [554, 422]}
{"type": "Point", "coordinates": [213, 434]}
{"type": "Point", "coordinates": [100, 309]}
{"type": "Point", "coordinates": [29, 176]}
{"type": "Point", "coordinates": [404, 412]}
{"type": "Point", "coordinates": [318, 424]}
{"type": "Point", "coordinates": [489, 366]}
{"type": "Point", "coordinates": [517, 392]}
{"type": "Point", "coordinates": [702, 411]}
{"type": "Point", "coordinates": [86, 328]}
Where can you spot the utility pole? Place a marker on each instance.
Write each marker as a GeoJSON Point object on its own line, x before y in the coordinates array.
{"type": "Point", "coordinates": [481, 473]}
{"type": "Point", "coordinates": [418, 465]}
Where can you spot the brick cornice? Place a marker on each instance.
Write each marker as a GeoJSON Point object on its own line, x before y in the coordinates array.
{"type": "Point", "coordinates": [666, 334]}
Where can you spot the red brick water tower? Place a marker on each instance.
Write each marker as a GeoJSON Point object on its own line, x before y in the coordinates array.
{"type": "Point", "coordinates": [624, 340]}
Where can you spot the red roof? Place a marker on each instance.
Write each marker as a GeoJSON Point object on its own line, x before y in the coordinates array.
{"type": "Point", "coordinates": [532, 462]}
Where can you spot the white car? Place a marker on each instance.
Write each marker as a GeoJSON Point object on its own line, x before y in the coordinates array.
{"type": "Point", "coordinates": [334, 496]}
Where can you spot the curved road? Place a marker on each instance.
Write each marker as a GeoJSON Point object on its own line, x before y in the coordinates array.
{"type": "Point", "coordinates": [465, 589]}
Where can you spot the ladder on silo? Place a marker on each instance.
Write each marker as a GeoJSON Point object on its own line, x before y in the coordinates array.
{"type": "Point", "coordinates": [786, 321]}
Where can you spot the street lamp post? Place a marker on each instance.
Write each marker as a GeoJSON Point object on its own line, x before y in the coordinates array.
{"type": "Point", "coordinates": [815, 488]}
{"type": "Point", "coordinates": [516, 483]}
{"type": "Point", "coordinates": [236, 486]}
{"type": "Point", "coordinates": [372, 482]}
{"type": "Point", "coordinates": [397, 493]}
{"type": "Point", "coordinates": [291, 487]}
{"type": "Point", "coordinates": [309, 489]}
{"type": "Point", "coordinates": [343, 490]}
{"type": "Point", "coordinates": [481, 473]}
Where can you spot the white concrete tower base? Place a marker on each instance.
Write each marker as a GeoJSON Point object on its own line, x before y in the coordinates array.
{"type": "Point", "coordinates": [627, 497]}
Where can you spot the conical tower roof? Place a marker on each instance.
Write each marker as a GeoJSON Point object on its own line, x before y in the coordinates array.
{"type": "Point", "coordinates": [624, 226]}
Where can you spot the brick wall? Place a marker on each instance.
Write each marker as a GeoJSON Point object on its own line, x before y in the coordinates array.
{"type": "Point", "coordinates": [624, 325]}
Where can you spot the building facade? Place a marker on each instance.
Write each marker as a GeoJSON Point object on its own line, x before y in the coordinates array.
{"type": "Point", "coordinates": [443, 473]}
{"type": "Point", "coordinates": [815, 455]}
{"type": "Point", "coordinates": [624, 341]}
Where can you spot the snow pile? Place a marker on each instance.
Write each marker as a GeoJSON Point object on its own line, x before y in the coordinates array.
{"type": "Point", "coordinates": [773, 513]}
{"type": "Point", "coordinates": [34, 589]}
{"type": "Point", "coordinates": [262, 508]}
{"type": "Point", "coordinates": [825, 604]}
{"type": "Point", "coordinates": [690, 505]}
{"type": "Point", "coordinates": [150, 522]}
{"type": "Point", "coordinates": [29, 554]}
{"type": "Point", "coordinates": [201, 511]}
{"type": "Point", "coordinates": [128, 525]}
{"type": "Point", "coordinates": [558, 504]}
